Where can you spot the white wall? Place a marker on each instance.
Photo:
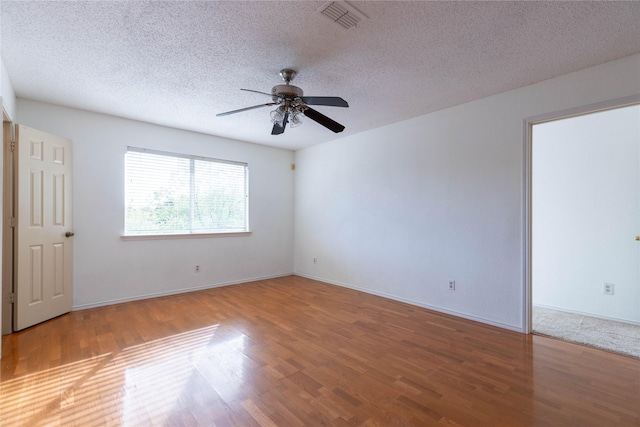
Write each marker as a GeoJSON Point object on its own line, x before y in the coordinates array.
{"type": "Point", "coordinates": [6, 93]}
{"type": "Point", "coordinates": [586, 212]}
{"type": "Point", "coordinates": [400, 210]}
{"type": "Point", "coordinates": [108, 269]}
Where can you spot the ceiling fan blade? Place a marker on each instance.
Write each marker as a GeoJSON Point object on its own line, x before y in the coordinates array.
{"type": "Point", "coordinates": [332, 101]}
{"type": "Point", "coordinates": [277, 129]}
{"type": "Point", "coordinates": [245, 109]}
{"type": "Point", "coordinates": [257, 91]}
{"type": "Point", "coordinates": [323, 120]}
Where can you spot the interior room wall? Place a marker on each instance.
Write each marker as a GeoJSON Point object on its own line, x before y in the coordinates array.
{"type": "Point", "coordinates": [586, 212]}
{"type": "Point", "coordinates": [7, 93]}
{"type": "Point", "coordinates": [108, 269]}
{"type": "Point", "coordinates": [401, 210]}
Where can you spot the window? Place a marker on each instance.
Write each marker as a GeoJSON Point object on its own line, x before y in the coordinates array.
{"type": "Point", "coordinates": [167, 193]}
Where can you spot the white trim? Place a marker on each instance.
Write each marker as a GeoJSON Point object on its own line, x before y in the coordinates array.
{"type": "Point", "coordinates": [412, 302]}
{"type": "Point", "coordinates": [585, 109]}
{"type": "Point", "coordinates": [183, 236]}
{"type": "Point", "coordinates": [526, 229]}
{"type": "Point", "coordinates": [174, 292]}
{"type": "Point", "coordinates": [581, 313]}
{"type": "Point", "coordinates": [527, 178]}
{"type": "Point", "coordinates": [5, 115]}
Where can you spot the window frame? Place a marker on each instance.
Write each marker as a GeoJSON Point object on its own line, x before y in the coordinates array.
{"type": "Point", "coordinates": [190, 235]}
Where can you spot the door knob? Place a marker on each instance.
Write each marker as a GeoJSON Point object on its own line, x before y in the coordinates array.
{"type": "Point", "coordinates": [68, 234]}
{"type": "Point", "coordinates": [637, 237]}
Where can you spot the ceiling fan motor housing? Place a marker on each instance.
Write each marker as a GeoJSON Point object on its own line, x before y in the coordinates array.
{"type": "Point", "coordinates": [286, 92]}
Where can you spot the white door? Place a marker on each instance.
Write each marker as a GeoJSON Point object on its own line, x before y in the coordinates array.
{"type": "Point", "coordinates": [43, 240]}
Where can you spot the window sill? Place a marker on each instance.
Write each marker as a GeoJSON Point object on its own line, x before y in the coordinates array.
{"type": "Point", "coordinates": [184, 236]}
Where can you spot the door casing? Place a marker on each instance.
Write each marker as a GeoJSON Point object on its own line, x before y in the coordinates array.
{"type": "Point", "coordinates": [7, 229]}
{"type": "Point", "coordinates": [528, 124]}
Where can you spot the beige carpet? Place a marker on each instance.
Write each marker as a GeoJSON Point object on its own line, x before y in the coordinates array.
{"type": "Point", "coordinates": [608, 335]}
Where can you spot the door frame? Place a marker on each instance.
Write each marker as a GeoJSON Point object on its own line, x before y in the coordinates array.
{"type": "Point", "coordinates": [6, 320]}
{"type": "Point", "coordinates": [528, 123]}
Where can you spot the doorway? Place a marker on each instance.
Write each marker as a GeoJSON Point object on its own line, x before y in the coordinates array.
{"type": "Point", "coordinates": [584, 259]}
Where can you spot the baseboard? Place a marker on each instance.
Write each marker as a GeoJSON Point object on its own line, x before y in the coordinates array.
{"type": "Point", "coordinates": [173, 292]}
{"type": "Point", "coordinates": [412, 302]}
{"type": "Point", "coordinates": [582, 313]}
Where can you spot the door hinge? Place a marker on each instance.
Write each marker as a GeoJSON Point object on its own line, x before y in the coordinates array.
{"type": "Point", "coordinates": [12, 146]}
{"type": "Point", "coordinates": [13, 222]}
{"type": "Point", "coordinates": [12, 298]}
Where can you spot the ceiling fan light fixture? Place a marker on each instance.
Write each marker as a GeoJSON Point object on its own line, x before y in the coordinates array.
{"type": "Point", "coordinates": [294, 120]}
{"type": "Point", "coordinates": [277, 115]}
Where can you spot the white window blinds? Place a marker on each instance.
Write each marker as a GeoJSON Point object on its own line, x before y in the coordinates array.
{"type": "Point", "coordinates": [168, 193]}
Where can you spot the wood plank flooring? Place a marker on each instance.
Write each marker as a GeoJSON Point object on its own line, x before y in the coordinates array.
{"type": "Point", "coordinates": [297, 352]}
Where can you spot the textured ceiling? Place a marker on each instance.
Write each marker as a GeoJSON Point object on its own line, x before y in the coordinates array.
{"type": "Point", "coordinates": [179, 63]}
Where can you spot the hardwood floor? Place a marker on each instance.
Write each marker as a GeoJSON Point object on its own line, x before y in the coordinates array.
{"type": "Point", "coordinates": [292, 352]}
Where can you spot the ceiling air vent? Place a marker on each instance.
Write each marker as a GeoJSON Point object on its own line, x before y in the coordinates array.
{"type": "Point", "coordinates": [341, 13]}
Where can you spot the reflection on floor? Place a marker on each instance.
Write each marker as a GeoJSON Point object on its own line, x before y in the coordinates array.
{"type": "Point", "coordinates": [606, 334]}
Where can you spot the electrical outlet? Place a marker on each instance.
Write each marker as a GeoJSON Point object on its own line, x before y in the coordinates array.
{"type": "Point", "coordinates": [608, 289]}
{"type": "Point", "coordinates": [197, 268]}
{"type": "Point", "coordinates": [315, 260]}
{"type": "Point", "coordinates": [452, 285]}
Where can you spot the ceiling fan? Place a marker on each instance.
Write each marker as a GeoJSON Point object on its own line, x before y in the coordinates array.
{"type": "Point", "coordinates": [291, 104]}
